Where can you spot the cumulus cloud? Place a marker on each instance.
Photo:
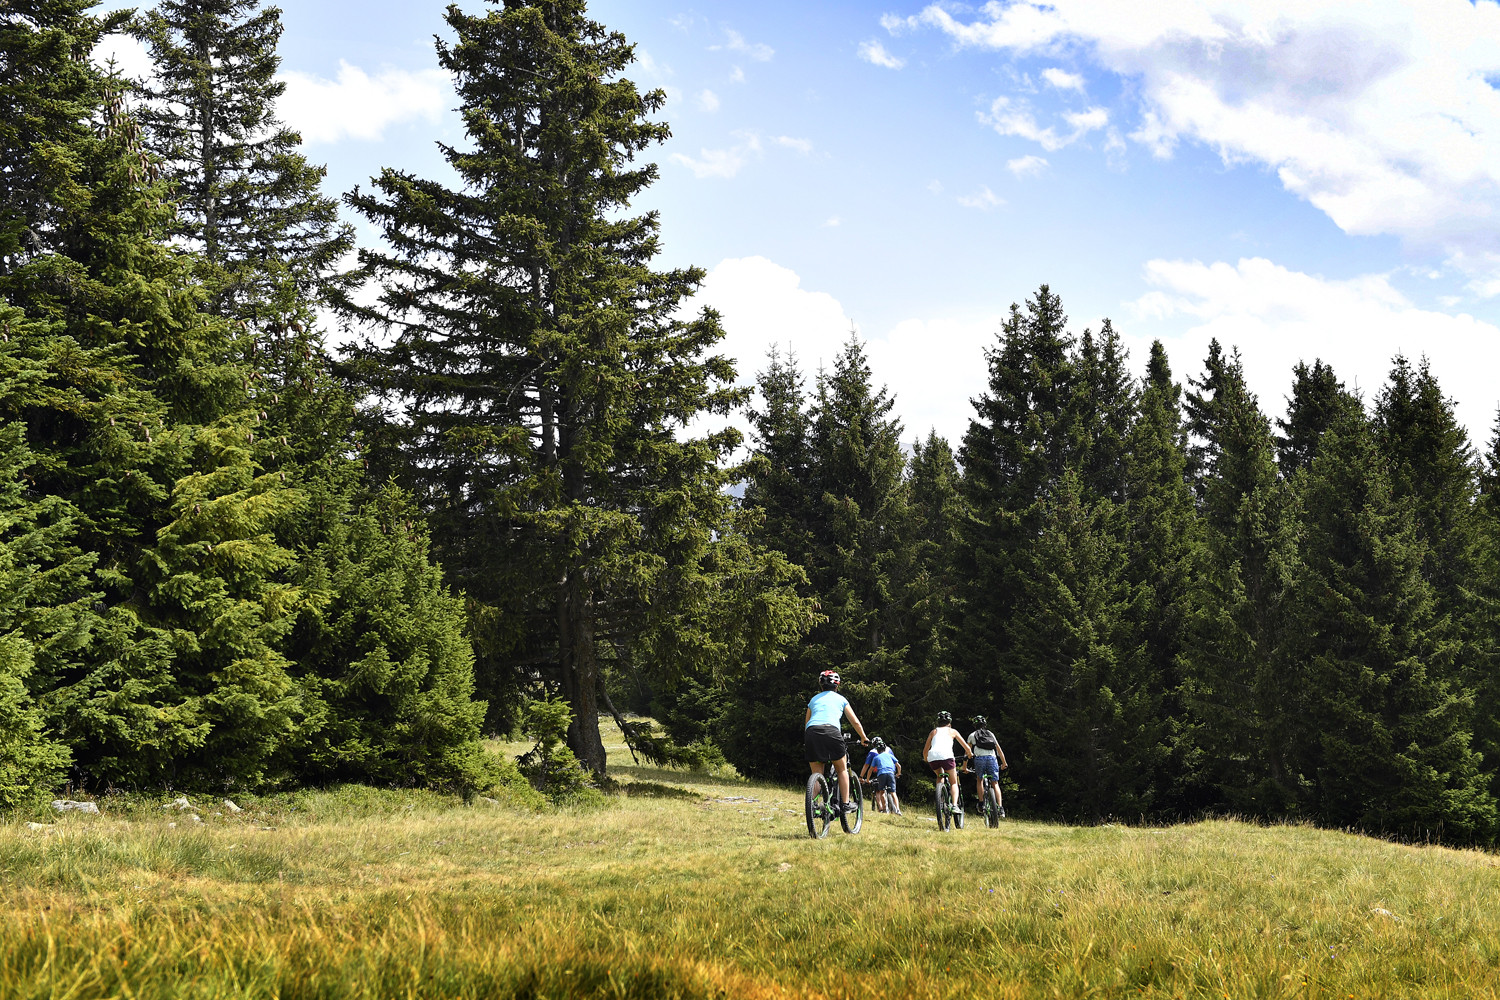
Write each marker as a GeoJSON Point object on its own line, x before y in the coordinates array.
{"type": "Point", "coordinates": [984, 199]}
{"type": "Point", "coordinates": [803, 146]}
{"type": "Point", "coordinates": [735, 42]}
{"type": "Point", "coordinates": [873, 52]}
{"type": "Point", "coordinates": [1013, 117]}
{"type": "Point", "coordinates": [1062, 79]}
{"type": "Point", "coordinates": [736, 75]}
{"type": "Point", "coordinates": [1380, 113]}
{"type": "Point", "coordinates": [359, 106]}
{"type": "Point", "coordinates": [708, 101]}
{"type": "Point", "coordinates": [1026, 166]}
{"type": "Point", "coordinates": [932, 365]}
{"type": "Point", "coordinates": [1277, 317]}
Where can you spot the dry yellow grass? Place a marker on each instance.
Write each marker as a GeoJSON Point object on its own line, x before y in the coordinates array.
{"type": "Point", "coordinates": [700, 894]}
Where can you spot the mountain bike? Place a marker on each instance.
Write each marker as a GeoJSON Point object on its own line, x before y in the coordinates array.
{"type": "Point", "coordinates": [822, 792]}
{"type": "Point", "coordinates": [947, 816]}
{"type": "Point", "coordinates": [993, 811]}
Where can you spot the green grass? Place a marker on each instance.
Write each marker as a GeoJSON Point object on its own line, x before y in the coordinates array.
{"type": "Point", "coordinates": [676, 890]}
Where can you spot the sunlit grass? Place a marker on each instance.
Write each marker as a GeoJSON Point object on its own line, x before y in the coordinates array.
{"type": "Point", "coordinates": [691, 891]}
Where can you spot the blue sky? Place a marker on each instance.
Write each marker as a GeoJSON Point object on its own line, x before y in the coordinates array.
{"type": "Point", "coordinates": [1300, 178]}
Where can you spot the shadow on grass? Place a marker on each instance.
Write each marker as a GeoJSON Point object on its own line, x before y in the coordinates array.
{"type": "Point", "coordinates": [657, 774]}
{"type": "Point", "coordinates": [655, 790]}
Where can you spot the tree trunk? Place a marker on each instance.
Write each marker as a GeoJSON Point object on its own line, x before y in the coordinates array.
{"type": "Point", "coordinates": [580, 671]}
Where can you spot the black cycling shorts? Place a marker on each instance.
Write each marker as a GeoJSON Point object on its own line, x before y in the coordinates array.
{"type": "Point", "coordinates": [824, 743]}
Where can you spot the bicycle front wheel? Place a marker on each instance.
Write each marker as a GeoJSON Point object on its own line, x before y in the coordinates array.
{"type": "Point", "coordinates": [853, 817]}
{"type": "Point", "coordinates": [818, 802]}
{"type": "Point", "coordinates": [991, 804]}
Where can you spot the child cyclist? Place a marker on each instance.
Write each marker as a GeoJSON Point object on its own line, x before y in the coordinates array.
{"type": "Point", "coordinates": [822, 732]}
{"type": "Point", "coordinates": [941, 756]}
{"type": "Point", "coordinates": [882, 763]}
{"type": "Point", "coordinates": [985, 759]}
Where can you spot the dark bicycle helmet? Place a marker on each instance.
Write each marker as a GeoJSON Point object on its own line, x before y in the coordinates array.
{"type": "Point", "coordinates": [944, 719]}
{"type": "Point", "coordinates": [829, 679]}
{"type": "Point", "coordinates": [981, 721]}
{"type": "Point", "coordinates": [877, 743]}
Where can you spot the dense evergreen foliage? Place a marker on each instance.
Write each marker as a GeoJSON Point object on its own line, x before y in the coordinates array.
{"type": "Point", "coordinates": [230, 558]}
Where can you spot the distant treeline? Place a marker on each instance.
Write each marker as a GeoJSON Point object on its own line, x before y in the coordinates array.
{"type": "Point", "coordinates": [232, 555]}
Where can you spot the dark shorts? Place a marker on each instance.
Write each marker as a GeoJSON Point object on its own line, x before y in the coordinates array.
{"type": "Point", "coordinates": [938, 766]}
{"type": "Point", "coordinates": [986, 765]}
{"type": "Point", "coordinates": [823, 743]}
{"type": "Point", "coordinates": [885, 782]}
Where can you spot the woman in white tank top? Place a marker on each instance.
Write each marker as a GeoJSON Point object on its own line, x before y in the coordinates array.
{"type": "Point", "coordinates": [940, 755]}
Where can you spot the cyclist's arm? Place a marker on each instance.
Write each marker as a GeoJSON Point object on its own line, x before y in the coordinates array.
{"type": "Point", "coordinates": [928, 745]}
{"type": "Point", "coordinates": [854, 721]}
{"type": "Point", "coordinates": [1003, 764]}
{"type": "Point", "coordinates": [968, 752]}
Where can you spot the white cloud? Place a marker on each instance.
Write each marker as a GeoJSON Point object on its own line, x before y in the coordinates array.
{"type": "Point", "coordinates": [1278, 317]}
{"type": "Point", "coordinates": [936, 187]}
{"type": "Point", "coordinates": [1062, 79]}
{"type": "Point", "coordinates": [873, 52]}
{"type": "Point", "coordinates": [130, 56]}
{"type": "Point", "coordinates": [1026, 166]}
{"type": "Point", "coordinates": [1378, 112]}
{"type": "Point", "coordinates": [1013, 117]}
{"type": "Point", "coordinates": [932, 366]}
{"type": "Point", "coordinates": [736, 75]}
{"type": "Point", "coordinates": [359, 106]}
{"type": "Point", "coordinates": [759, 51]}
{"type": "Point", "coordinates": [708, 101]}
{"type": "Point", "coordinates": [803, 146]}
{"type": "Point", "coordinates": [833, 222]}
{"type": "Point", "coordinates": [724, 163]}
{"type": "Point", "coordinates": [984, 199]}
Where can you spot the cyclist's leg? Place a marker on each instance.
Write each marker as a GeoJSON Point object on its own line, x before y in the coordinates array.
{"type": "Point", "coordinates": [953, 781]}
{"type": "Point", "coordinates": [842, 767]}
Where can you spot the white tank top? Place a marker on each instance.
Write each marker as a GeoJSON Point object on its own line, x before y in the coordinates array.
{"type": "Point", "coordinates": [942, 744]}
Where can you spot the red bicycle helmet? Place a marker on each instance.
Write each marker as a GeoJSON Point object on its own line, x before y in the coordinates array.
{"type": "Point", "coordinates": [829, 679]}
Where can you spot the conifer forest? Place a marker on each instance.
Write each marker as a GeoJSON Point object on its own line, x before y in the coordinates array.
{"type": "Point", "coordinates": [280, 510]}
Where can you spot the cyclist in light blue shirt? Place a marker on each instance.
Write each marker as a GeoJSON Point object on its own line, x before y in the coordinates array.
{"type": "Point", "coordinates": [881, 763]}
{"type": "Point", "coordinates": [822, 732]}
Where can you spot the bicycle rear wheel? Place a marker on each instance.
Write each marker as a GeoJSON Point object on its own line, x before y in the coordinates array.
{"type": "Point", "coordinates": [991, 804]}
{"type": "Point", "coordinates": [944, 814]}
{"type": "Point", "coordinates": [818, 803]}
{"type": "Point", "coordinates": [853, 817]}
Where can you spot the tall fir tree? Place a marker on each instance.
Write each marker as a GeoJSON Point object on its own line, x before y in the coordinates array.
{"type": "Point", "coordinates": [247, 199]}
{"type": "Point", "coordinates": [142, 422]}
{"type": "Point", "coordinates": [1317, 398]}
{"type": "Point", "coordinates": [1392, 752]}
{"type": "Point", "coordinates": [1239, 684]}
{"type": "Point", "coordinates": [542, 371]}
{"type": "Point", "coordinates": [1164, 535]}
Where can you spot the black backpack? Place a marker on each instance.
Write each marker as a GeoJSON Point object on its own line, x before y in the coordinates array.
{"type": "Point", "coordinates": [985, 740]}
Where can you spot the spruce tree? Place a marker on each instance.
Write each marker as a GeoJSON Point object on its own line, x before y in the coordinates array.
{"type": "Point", "coordinates": [542, 371]}
{"type": "Point", "coordinates": [1164, 535]}
{"type": "Point", "coordinates": [247, 199]}
{"type": "Point", "coordinates": [1240, 685]}
{"type": "Point", "coordinates": [1392, 752]}
{"type": "Point", "coordinates": [1317, 397]}
{"type": "Point", "coordinates": [142, 422]}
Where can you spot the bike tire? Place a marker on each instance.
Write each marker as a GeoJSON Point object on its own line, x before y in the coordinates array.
{"type": "Point", "coordinates": [817, 806]}
{"type": "Point", "coordinates": [991, 805]}
{"type": "Point", "coordinates": [958, 818]}
{"type": "Point", "coordinates": [944, 814]}
{"type": "Point", "coordinates": [852, 824]}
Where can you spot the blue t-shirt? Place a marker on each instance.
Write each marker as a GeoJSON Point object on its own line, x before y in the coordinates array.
{"type": "Point", "coordinates": [884, 761]}
{"type": "Point", "coordinates": [827, 709]}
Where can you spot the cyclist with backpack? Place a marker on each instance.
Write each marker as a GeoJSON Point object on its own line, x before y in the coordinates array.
{"type": "Point", "coordinates": [822, 731]}
{"type": "Point", "coordinates": [988, 758]}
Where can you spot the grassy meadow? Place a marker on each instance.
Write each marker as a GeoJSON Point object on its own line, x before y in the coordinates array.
{"type": "Point", "coordinates": [690, 885]}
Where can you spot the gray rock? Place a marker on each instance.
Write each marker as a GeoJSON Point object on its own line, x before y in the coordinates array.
{"type": "Point", "coordinates": [68, 805]}
{"type": "Point", "coordinates": [232, 807]}
{"type": "Point", "coordinates": [178, 803]}
{"type": "Point", "coordinates": [195, 818]}
{"type": "Point", "coordinates": [38, 826]}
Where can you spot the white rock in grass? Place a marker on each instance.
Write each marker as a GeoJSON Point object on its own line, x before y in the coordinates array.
{"type": "Point", "coordinates": [195, 818]}
{"type": "Point", "coordinates": [171, 826]}
{"type": "Point", "coordinates": [178, 803]}
{"type": "Point", "coordinates": [38, 826]}
{"type": "Point", "coordinates": [232, 807]}
{"type": "Point", "coordinates": [67, 805]}
{"type": "Point", "coordinates": [1381, 911]}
